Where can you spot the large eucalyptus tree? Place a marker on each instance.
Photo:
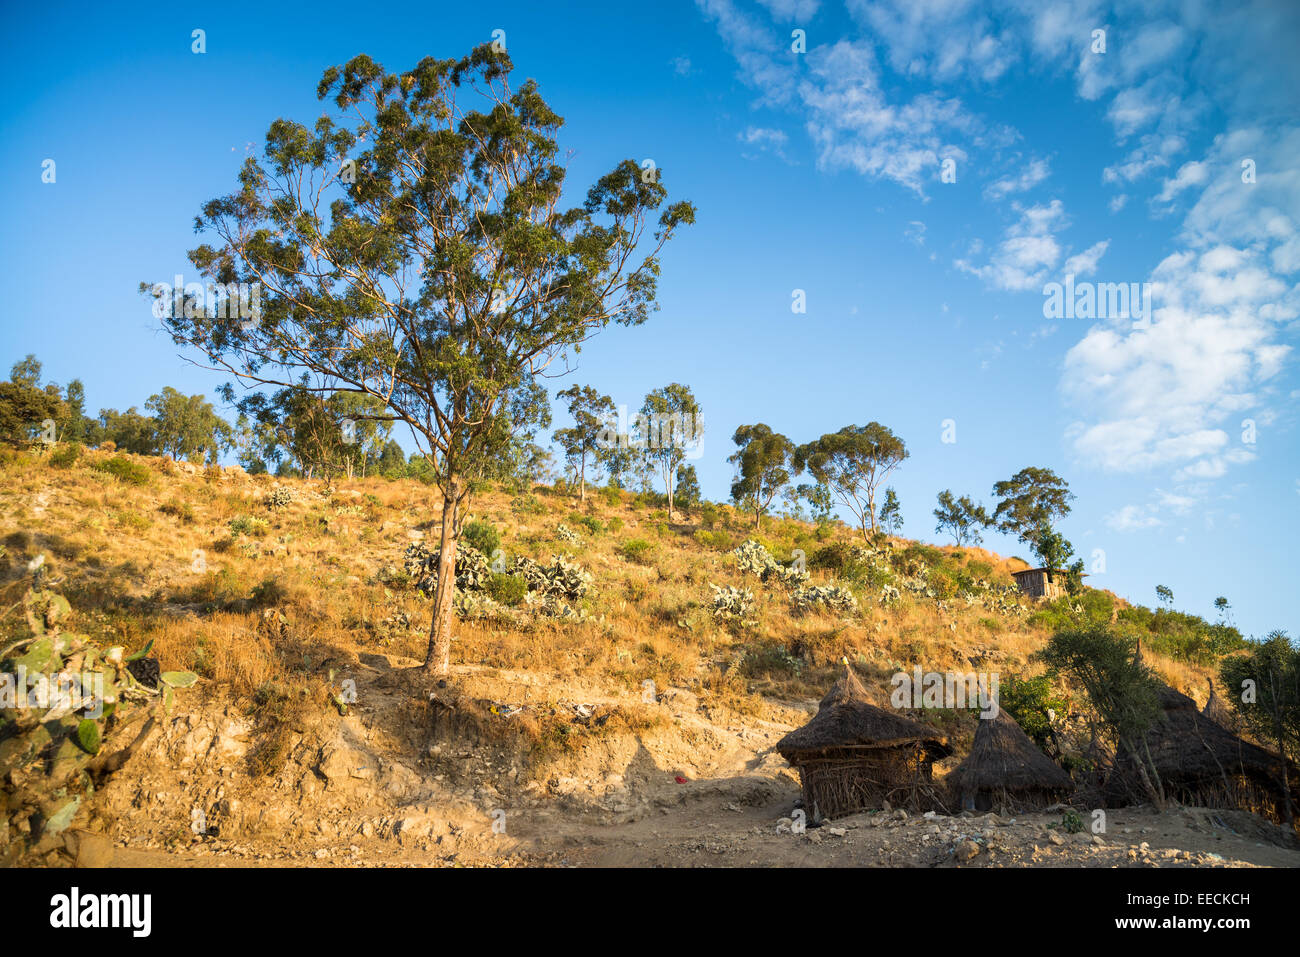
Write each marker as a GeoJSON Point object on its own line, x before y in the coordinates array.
{"type": "Point", "coordinates": [412, 245]}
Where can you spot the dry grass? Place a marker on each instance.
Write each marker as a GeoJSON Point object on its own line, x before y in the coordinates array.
{"type": "Point", "coordinates": [249, 605]}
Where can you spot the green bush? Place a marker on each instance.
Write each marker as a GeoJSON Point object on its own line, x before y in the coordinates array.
{"type": "Point", "coordinates": [483, 536]}
{"type": "Point", "coordinates": [611, 495]}
{"type": "Point", "coordinates": [636, 550]}
{"type": "Point", "coordinates": [615, 524]}
{"type": "Point", "coordinates": [527, 505]}
{"type": "Point", "coordinates": [589, 522]}
{"type": "Point", "coordinates": [66, 456]}
{"type": "Point", "coordinates": [124, 470]}
{"type": "Point", "coordinates": [709, 515]}
{"type": "Point", "coordinates": [507, 589]}
{"type": "Point", "coordinates": [247, 525]}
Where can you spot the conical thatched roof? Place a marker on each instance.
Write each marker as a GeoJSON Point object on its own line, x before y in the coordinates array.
{"type": "Point", "coordinates": [846, 719]}
{"type": "Point", "coordinates": [1185, 742]}
{"type": "Point", "coordinates": [1003, 758]}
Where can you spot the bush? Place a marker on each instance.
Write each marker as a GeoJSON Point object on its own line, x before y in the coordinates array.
{"type": "Point", "coordinates": [636, 550]}
{"type": "Point", "coordinates": [709, 515]}
{"type": "Point", "coordinates": [615, 524]}
{"type": "Point", "coordinates": [482, 535]}
{"type": "Point", "coordinates": [589, 522]}
{"type": "Point", "coordinates": [611, 495]}
{"type": "Point", "coordinates": [247, 525]}
{"type": "Point", "coordinates": [527, 505]}
{"type": "Point", "coordinates": [720, 540]}
{"type": "Point", "coordinates": [181, 510]}
{"type": "Point", "coordinates": [66, 456]}
{"type": "Point", "coordinates": [507, 589]}
{"type": "Point", "coordinates": [124, 470]}
{"type": "Point", "coordinates": [278, 499]}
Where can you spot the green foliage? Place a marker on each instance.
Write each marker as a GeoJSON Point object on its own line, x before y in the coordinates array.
{"type": "Point", "coordinates": [963, 518]}
{"type": "Point", "coordinates": [56, 733]}
{"type": "Point", "coordinates": [481, 535]}
{"type": "Point", "coordinates": [527, 504]}
{"type": "Point", "coordinates": [589, 523]}
{"type": "Point", "coordinates": [1264, 690]}
{"type": "Point", "coordinates": [1120, 687]}
{"type": "Point", "coordinates": [1030, 503]}
{"type": "Point", "coordinates": [831, 598]}
{"type": "Point", "coordinates": [852, 463]}
{"type": "Point", "coordinates": [611, 495]}
{"type": "Point", "coordinates": [248, 525]}
{"type": "Point", "coordinates": [124, 470]}
{"type": "Point", "coordinates": [731, 604]}
{"type": "Point", "coordinates": [636, 550]}
{"type": "Point", "coordinates": [891, 513]}
{"type": "Point", "coordinates": [66, 456]}
{"type": "Point", "coordinates": [762, 466]}
{"type": "Point", "coordinates": [278, 499]}
{"type": "Point", "coordinates": [506, 589]}
{"type": "Point", "coordinates": [615, 524]}
{"type": "Point", "coordinates": [1029, 701]}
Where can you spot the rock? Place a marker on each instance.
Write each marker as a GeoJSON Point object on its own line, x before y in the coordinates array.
{"type": "Point", "coordinates": [94, 850]}
{"type": "Point", "coordinates": [966, 850]}
{"type": "Point", "coordinates": [815, 837]}
{"type": "Point", "coordinates": [1056, 838]}
{"type": "Point", "coordinates": [836, 831]}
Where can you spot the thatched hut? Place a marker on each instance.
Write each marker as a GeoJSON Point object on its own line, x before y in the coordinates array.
{"type": "Point", "coordinates": [1202, 763]}
{"type": "Point", "coordinates": [854, 756]}
{"type": "Point", "coordinates": [1006, 769]}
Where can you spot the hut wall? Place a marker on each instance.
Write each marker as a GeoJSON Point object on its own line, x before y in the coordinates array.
{"type": "Point", "coordinates": [836, 785]}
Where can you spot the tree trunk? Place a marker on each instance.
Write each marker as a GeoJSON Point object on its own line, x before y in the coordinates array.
{"type": "Point", "coordinates": [437, 660]}
{"type": "Point", "coordinates": [582, 478]}
{"type": "Point", "coordinates": [668, 484]}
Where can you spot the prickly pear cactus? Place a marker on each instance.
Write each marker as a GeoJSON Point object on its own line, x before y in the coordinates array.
{"type": "Point", "coordinates": [70, 714]}
{"type": "Point", "coordinates": [731, 603]}
{"type": "Point", "coordinates": [823, 597]}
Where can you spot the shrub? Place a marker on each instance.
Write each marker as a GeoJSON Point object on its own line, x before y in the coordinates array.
{"type": "Point", "coordinates": [719, 540]}
{"type": "Point", "coordinates": [709, 515]}
{"type": "Point", "coordinates": [527, 505]}
{"type": "Point", "coordinates": [66, 455]}
{"type": "Point", "coordinates": [589, 522]}
{"type": "Point", "coordinates": [731, 603]}
{"type": "Point", "coordinates": [636, 550]}
{"type": "Point", "coordinates": [823, 597]}
{"type": "Point", "coordinates": [248, 525]}
{"type": "Point", "coordinates": [481, 535]}
{"type": "Point", "coordinates": [278, 499]}
{"type": "Point", "coordinates": [181, 510]}
{"type": "Point", "coordinates": [507, 589]}
{"type": "Point", "coordinates": [611, 495]}
{"type": "Point", "coordinates": [615, 524]}
{"type": "Point", "coordinates": [108, 445]}
{"type": "Point", "coordinates": [124, 470]}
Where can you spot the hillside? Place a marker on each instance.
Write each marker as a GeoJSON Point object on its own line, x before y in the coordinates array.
{"type": "Point", "coordinates": [637, 728]}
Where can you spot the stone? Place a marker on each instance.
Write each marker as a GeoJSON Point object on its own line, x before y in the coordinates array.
{"type": "Point", "coordinates": [94, 850]}
{"type": "Point", "coordinates": [966, 850]}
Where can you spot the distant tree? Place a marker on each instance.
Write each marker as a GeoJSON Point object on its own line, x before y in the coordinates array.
{"type": "Point", "coordinates": [188, 426]}
{"type": "Point", "coordinates": [667, 428]}
{"type": "Point", "coordinates": [590, 412]}
{"type": "Point", "coordinates": [391, 461]}
{"type": "Point", "coordinates": [821, 501]}
{"type": "Point", "coordinates": [891, 513]}
{"type": "Point", "coordinates": [1120, 687]}
{"type": "Point", "coordinates": [1264, 689]}
{"type": "Point", "coordinates": [1030, 503]}
{"type": "Point", "coordinates": [74, 394]}
{"type": "Point", "coordinates": [26, 372]}
{"type": "Point", "coordinates": [687, 487]}
{"type": "Point", "coordinates": [25, 410]}
{"type": "Point", "coordinates": [1224, 609]}
{"type": "Point", "coordinates": [762, 467]}
{"type": "Point", "coordinates": [1165, 595]}
{"type": "Point", "coordinates": [961, 517]}
{"type": "Point", "coordinates": [129, 431]}
{"type": "Point", "coordinates": [852, 463]}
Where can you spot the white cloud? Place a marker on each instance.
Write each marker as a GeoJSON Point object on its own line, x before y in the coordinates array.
{"type": "Point", "coordinates": [1132, 518]}
{"type": "Point", "coordinates": [764, 140]}
{"type": "Point", "coordinates": [1028, 251]}
{"type": "Point", "coordinates": [1029, 176]}
{"type": "Point", "coordinates": [1190, 174]}
{"type": "Point", "coordinates": [1085, 263]}
{"type": "Point", "coordinates": [793, 11]}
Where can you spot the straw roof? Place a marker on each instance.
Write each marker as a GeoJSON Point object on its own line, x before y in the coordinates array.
{"type": "Point", "coordinates": [1186, 745]}
{"type": "Point", "coordinates": [847, 720]}
{"type": "Point", "coordinates": [1004, 758]}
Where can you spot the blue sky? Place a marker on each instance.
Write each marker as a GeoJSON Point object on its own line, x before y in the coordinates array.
{"type": "Point", "coordinates": [819, 170]}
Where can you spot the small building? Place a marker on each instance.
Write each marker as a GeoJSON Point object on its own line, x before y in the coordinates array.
{"type": "Point", "coordinates": [1006, 769]}
{"type": "Point", "coordinates": [854, 756]}
{"type": "Point", "coordinates": [1041, 582]}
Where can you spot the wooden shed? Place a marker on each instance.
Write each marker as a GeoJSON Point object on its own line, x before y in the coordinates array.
{"type": "Point", "coordinates": [1035, 582]}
